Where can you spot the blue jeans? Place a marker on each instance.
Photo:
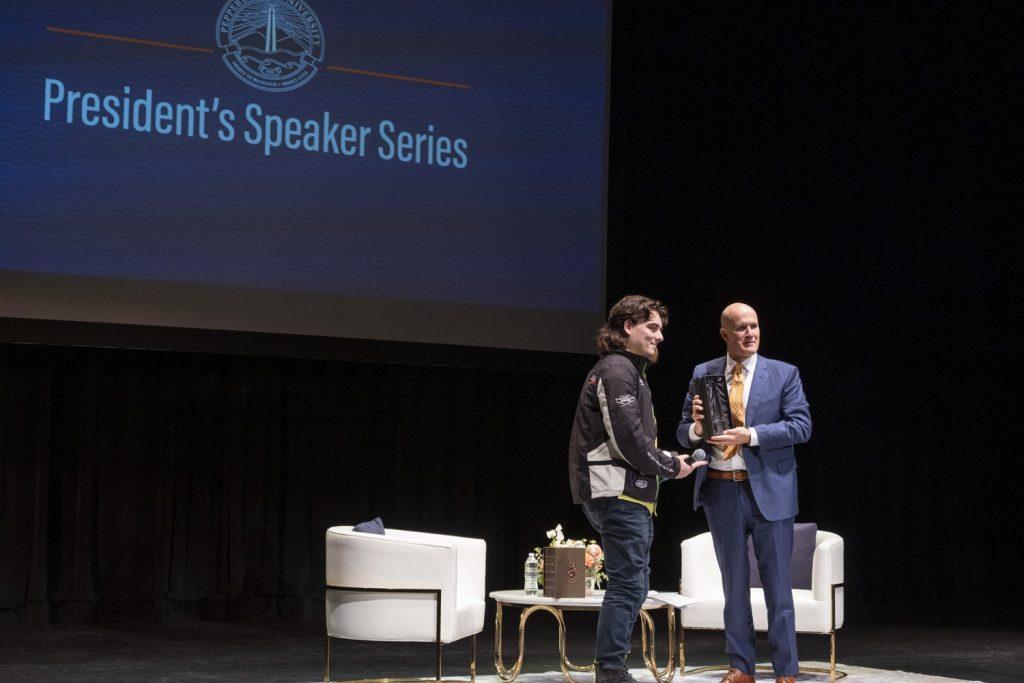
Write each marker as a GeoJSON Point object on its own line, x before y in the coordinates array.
{"type": "Point", "coordinates": [626, 531]}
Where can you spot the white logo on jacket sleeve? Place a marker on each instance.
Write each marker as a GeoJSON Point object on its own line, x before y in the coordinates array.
{"type": "Point", "coordinates": [641, 483]}
{"type": "Point", "coordinates": [625, 400]}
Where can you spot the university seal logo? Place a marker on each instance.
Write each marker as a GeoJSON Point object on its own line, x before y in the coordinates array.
{"type": "Point", "coordinates": [273, 45]}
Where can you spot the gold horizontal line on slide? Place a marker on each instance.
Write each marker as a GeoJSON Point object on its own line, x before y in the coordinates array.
{"type": "Point", "coordinates": [192, 48]}
{"type": "Point", "coordinates": [126, 39]}
{"type": "Point", "coordinates": [413, 79]}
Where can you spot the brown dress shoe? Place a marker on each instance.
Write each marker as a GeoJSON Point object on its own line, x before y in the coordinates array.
{"type": "Point", "coordinates": [737, 676]}
{"type": "Point", "coordinates": [786, 679]}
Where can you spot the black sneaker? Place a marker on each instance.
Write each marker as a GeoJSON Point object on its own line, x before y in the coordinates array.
{"type": "Point", "coordinates": [602, 675]}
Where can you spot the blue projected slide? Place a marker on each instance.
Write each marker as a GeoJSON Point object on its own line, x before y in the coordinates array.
{"type": "Point", "coordinates": [429, 171]}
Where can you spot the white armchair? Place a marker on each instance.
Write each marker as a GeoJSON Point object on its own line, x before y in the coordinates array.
{"type": "Point", "coordinates": [818, 609]}
{"type": "Point", "coordinates": [403, 586]}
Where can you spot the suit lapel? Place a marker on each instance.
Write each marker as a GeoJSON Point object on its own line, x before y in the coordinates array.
{"type": "Point", "coordinates": [757, 389]}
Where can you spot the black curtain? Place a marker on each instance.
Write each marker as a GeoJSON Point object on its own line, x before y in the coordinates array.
{"type": "Point", "coordinates": [144, 484]}
{"type": "Point", "coordinates": [845, 169]}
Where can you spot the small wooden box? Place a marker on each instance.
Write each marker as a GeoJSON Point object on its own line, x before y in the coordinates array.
{"type": "Point", "coordinates": [565, 573]}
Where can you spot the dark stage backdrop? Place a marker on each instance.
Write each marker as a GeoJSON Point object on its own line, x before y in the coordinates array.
{"type": "Point", "coordinates": [850, 160]}
{"type": "Point", "coordinates": [846, 169]}
{"type": "Point", "coordinates": [155, 484]}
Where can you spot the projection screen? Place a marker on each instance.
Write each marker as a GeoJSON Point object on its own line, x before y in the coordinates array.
{"type": "Point", "coordinates": [424, 172]}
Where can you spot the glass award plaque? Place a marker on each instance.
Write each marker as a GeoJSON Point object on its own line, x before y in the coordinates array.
{"type": "Point", "coordinates": [714, 394]}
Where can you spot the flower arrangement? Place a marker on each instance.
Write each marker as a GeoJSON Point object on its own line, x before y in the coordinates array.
{"type": "Point", "coordinates": [592, 553]}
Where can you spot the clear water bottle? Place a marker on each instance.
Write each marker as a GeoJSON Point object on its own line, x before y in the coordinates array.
{"type": "Point", "coordinates": [530, 575]}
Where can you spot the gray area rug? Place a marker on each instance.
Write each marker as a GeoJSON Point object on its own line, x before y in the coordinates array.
{"type": "Point", "coordinates": [855, 674]}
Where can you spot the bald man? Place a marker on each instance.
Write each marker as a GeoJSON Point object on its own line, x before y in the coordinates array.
{"type": "Point", "coordinates": [749, 490]}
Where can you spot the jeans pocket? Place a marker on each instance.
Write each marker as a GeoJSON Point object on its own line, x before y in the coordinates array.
{"type": "Point", "coordinates": [594, 510]}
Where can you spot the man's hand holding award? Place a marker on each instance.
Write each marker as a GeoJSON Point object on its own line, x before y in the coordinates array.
{"type": "Point", "coordinates": [716, 423]}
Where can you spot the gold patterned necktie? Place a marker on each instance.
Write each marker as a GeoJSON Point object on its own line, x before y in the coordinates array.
{"type": "Point", "coordinates": [735, 406]}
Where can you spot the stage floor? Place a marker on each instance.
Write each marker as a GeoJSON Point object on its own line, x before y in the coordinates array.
{"type": "Point", "coordinates": [286, 650]}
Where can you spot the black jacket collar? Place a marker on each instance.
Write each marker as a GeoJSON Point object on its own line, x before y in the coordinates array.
{"type": "Point", "coordinates": [640, 362]}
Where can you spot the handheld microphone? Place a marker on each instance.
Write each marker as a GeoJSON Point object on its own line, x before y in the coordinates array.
{"type": "Point", "coordinates": [697, 455]}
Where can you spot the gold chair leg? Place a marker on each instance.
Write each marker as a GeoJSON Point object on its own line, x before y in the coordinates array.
{"type": "Point", "coordinates": [833, 673]}
{"type": "Point", "coordinates": [832, 656]}
{"type": "Point", "coordinates": [438, 664]}
{"type": "Point", "coordinates": [327, 658]}
{"type": "Point", "coordinates": [472, 663]}
{"type": "Point", "coordinates": [429, 679]}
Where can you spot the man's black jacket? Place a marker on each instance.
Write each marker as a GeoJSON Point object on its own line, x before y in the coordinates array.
{"type": "Point", "coordinates": [612, 450]}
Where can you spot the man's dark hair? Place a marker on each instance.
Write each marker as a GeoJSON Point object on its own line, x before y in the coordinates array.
{"type": "Point", "coordinates": [635, 308]}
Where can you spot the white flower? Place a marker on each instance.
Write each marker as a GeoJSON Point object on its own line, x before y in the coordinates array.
{"type": "Point", "coordinates": [556, 536]}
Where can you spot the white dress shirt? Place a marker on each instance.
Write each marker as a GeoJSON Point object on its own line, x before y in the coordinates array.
{"type": "Point", "coordinates": [717, 454]}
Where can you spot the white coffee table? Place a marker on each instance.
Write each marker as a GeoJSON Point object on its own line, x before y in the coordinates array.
{"type": "Point", "coordinates": [556, 607]}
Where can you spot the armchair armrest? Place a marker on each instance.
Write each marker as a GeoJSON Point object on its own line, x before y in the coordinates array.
{"type": "Point", "coordinates": [828, 565]}
{"type": "Point", "coordinates": [699, 573]}
{"type": "Point", "coordinates": [471, 572]}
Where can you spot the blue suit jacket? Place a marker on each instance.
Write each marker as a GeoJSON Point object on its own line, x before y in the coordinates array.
{"type": "Point", "coordinates": [777, 409]}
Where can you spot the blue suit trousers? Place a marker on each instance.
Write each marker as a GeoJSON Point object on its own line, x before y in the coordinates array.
{"type": "Point", "coordinates": [733, 515]}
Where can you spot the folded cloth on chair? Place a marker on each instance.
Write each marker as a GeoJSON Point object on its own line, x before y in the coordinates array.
{"type": "Point", "coordinates": [804, 541]}
{"type": "Point", "coordinates": [374, 526]}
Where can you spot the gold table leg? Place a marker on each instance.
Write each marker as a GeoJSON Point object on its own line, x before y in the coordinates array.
{"type": "Point", "coordinates": [507, 674]}
{"type": "Point", "coordinates": [647, 633]}
{"type": "Point", "coordinates": [682, 647]}
{"type": "Point", "coordinates": [650, 658]}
